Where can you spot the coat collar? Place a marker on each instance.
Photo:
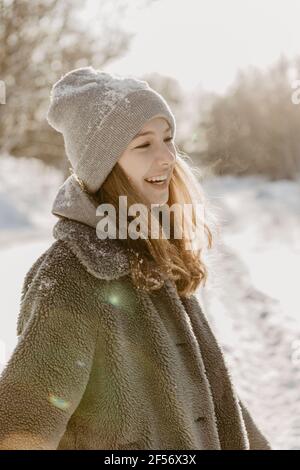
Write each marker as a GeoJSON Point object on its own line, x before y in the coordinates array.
{"type": "Point", "coordinates": [77, 225]}
{"type": "Point", "coordinates": [73, 203]}
{"type": "Point", "coordinates": [105, 259]}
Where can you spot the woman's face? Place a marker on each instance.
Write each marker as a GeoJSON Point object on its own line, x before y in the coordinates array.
{"type": "Point", "coordinates": [151, 155]}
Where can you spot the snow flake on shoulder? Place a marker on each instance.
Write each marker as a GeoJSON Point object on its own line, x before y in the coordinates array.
{"type": "Point", "coordinates": [105, 259]}
{"type": "Point", "coordinates": [46, 283]}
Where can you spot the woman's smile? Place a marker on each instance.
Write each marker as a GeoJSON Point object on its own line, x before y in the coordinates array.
{"type": "Point", "coordinates": [160, 185]}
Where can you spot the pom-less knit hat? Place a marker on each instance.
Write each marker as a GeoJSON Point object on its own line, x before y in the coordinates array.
{"type": "Point", "coordinates": [98, 114]}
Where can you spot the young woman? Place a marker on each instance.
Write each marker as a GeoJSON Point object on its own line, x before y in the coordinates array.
{"type": "Point", "coordinates": [114, 350]}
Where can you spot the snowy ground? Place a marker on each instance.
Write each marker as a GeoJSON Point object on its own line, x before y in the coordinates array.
{"type": "Point", "coordinates": [251, 297]}
{"type": "Point", "coordinates": [253, 301]}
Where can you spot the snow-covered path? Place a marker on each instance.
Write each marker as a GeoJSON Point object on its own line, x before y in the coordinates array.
{"type": "Point", "coordinates": [261, 346]}
{"type": "Point", "coordinates": [253, 301]}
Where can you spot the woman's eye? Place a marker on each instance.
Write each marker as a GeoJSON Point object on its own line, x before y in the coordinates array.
{"type": "Point", "coordinates": [147, 143]}
{"type": "Point", "coordinates": [142, 146]}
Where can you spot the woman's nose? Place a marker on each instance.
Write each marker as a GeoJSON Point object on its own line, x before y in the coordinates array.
{"type": "Point", "coordinates": [166, 157]}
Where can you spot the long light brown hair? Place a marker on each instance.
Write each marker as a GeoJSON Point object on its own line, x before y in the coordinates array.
{"type": "Point", "coordinates": [154, 258]}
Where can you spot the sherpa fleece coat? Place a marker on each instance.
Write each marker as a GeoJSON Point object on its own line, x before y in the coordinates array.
{"type": "Point", "coordinates": [102, 365]}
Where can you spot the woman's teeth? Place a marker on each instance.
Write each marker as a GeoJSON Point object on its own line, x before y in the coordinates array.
{"type": "Point", "coordinates": [156, 182]}
{"type": "Point", "coordinates": [160, 180]}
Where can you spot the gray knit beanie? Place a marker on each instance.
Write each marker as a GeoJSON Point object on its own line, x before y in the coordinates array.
{"type": "Point", "coordinates": [98, 113]}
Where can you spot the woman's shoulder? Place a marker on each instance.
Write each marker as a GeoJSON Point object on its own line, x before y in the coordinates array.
{"type": "Point", "coordinates": [57, 260]}
{"type": "Point", "coordinates": [56, 281]}
{"type": "Point", "coordinates": [77, 258]}
{"type": "Point", "coordinates": [75, 266]}
{"type": "Point", "coordinates": [103, 258]}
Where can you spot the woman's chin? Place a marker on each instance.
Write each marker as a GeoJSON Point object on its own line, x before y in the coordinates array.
{"type": "Point", "coordinates": [159, 201]}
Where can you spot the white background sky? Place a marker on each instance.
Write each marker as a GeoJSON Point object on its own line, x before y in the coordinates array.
{"type": "Point", "coordinates": [204, 42]}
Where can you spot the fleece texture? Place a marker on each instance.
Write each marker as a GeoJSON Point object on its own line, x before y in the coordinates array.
{"type": "Point", "coordinates": [102, 365]}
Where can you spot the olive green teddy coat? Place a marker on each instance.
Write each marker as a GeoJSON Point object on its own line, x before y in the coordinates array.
{"type": "Point", "coordinates": [102, 365]}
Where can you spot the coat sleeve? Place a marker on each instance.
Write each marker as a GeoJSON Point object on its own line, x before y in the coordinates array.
{"type": "Point", "coordinates": [47, 373]}
{"type": "Point", "coordinates": [257, 440]}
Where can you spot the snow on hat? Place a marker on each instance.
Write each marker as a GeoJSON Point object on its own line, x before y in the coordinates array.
{"type": "Point", "coordinates": [98, 114]}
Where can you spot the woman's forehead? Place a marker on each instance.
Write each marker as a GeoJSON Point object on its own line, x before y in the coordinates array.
{"type": "Point", "coordinates": [156, 123]}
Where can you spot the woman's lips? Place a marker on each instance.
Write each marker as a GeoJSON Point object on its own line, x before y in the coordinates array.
{"type": "Point", "coordinates": [161, 186]}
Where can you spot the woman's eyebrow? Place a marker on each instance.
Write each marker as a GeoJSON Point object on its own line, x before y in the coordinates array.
{"type": "Point", "coordinates": [149, 132]}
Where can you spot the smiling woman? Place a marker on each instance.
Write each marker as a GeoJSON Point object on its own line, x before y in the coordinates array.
{"type": "Point", "coordinates": [110, 356]}
{"type": "Point", "coordinates": [149, 160]}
